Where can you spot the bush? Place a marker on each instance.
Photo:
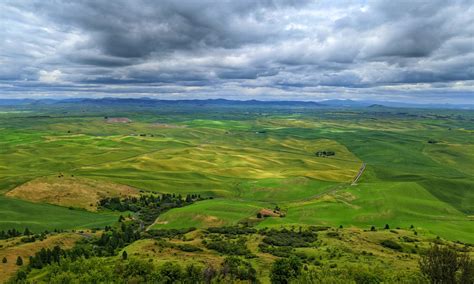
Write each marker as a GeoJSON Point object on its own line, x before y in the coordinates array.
{"type": "Point", "coordinates": [236, 268]}
{"type": "Point", "coordinates": [229, 247]}
{"type": "Point", "coordinates": [391, 245]}
{"type": "Point", "coordinates": [442, 264]}
{"type": "Point", "coordinates": [171, 273]}
{"type": "Point", "coordinates": [235, 230]}
{"type": "Point", "coordinates": [285, 269]}
{"type": "Point", "coordinates": [19, 261]}
{"type": "Point", "coordinates": [188, 248]}
{"type": "Point", "coordinates": [289, 238]}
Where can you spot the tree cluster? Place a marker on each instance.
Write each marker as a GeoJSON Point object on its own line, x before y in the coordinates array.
{"type": "Point", "coordinates": [325, 153]}
{"type": "Point", "coordinates": [147, 206]}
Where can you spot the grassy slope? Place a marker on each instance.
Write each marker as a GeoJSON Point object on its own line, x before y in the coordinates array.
{"type": "Point", "coordinates": [208, 213]}
{"type": "Point", "coordinates": [12, 248]}
{"type": "Point", "coordinates": [345, 247]}
{"type": "Point", "coordinates": [407, 180]}
{"type": "Point", "coordinates": [20, 214]}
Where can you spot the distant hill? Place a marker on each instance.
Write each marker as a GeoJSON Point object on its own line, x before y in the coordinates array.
{"type": "Point", "coordinates": [207, 102]}
{"type": "Point", "coordinates": [224, 102]}
{"type": "Point", "coordinates": [376, 106]}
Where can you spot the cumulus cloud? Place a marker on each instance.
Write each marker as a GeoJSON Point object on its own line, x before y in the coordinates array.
{"type": "Point", "coordinates": [267, 49]}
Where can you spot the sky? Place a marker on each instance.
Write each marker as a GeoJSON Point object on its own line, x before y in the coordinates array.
{"type": "Point", "coordinates": [406, 50]}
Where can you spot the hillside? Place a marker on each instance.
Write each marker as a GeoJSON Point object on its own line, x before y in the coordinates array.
{"type": "Point", "coordinates": [181, 171]}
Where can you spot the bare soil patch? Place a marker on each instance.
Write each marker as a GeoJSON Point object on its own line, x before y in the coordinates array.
{"type": "Point", "coordinates": [166, 125]}
{"type": "Point", "coordinates": [118, 120]}
{"type": "Point", "coordinates": [270, 213]}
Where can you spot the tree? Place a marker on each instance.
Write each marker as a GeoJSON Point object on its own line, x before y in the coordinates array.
{"type": "Point", "coordinates": [236, 268]}
{"type": "Point", "coordinates": [285, 269]}
{"type": "Point", "coordinates": [209, 273]}
{"type": "Point", "coordinates": [171, 272]}
{"type": "Point", "coordinates": [19, 261]}
{"type": "Point", "coordinates": [193, 274]}
{"type": "Point", "coordinates": [259, 215]}
{"type": "Point", "coordinates": [27, 232]}
{"type": "Point", "coordinates": [441, 264]}
{"type": "Point", "coordinates": [386, 227]}
{"type": "Point", "coordinates": [4, 260]}
{"type": "Point", "coordinates": [124, 255]}
{"type": "Point", "coordinates": [372, 228]}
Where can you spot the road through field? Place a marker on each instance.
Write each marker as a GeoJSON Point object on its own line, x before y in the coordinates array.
{"type": "Point", "coordinates": [359, 174]}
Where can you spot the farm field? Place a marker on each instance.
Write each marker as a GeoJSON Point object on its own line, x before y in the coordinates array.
{"type": "Point", "coordinates": [252, 160]}
{"type": "Point", "coordinates": [65, 167]}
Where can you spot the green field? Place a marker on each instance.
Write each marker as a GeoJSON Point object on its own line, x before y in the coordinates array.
{"type": "Point", "coordinates": [248, 160]}
{"type": "Point", "coordinates": [20, 214]}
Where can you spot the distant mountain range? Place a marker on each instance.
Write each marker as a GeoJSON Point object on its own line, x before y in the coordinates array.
{"type": "Point", "coordinates": [225, 102]}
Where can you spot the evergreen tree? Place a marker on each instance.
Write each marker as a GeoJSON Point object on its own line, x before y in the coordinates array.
{"type": "Point", "coordinates": [124, 255]}
{"type": "Point", "coordinates": [19, 261]}
{"type": "Point", "coordinates": [4, 260]}
{"type": "Point", "coordinates": [26, 232]}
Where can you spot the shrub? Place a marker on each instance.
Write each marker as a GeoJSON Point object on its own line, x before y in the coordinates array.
{"type": "Point", "coordinates": [285, 269]}
{"type": "Point", "coordinates": [188, 248]}
{"type": "Point", "coordinates": [19, 261]}
{"type": "Point", "coordinates": [289, 238]}
{"type": "Point", "coordinates": [442, 264]}
{"type": "Point", "coordinates": [237, 268]}
{"type": "Point", "coordinates": [391, 245]}
{"type": "Point", "coordinates": [229, 247]}
{"type": "Point", "coordinates": [171, 273]}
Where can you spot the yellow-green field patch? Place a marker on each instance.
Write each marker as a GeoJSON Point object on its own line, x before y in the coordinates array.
{"type": "Point", "coordinates": [69, 191]}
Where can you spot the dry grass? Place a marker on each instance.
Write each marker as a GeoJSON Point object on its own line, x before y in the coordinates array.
{"type": "Point", "coordinates": [13, 248]}
{"type": "Point", "coordinates": [70, 191]}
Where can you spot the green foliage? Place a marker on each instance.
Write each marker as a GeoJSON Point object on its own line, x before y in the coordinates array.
{"type": "Point", "coordinates": [19, 261]}
{"type": "Point", "coordinates": [148, 207]}
{"type": "Point", "coordinates": [168, 233]}
{"type": "Point", "coordinates": [357, 274]}
{"type": "Point", "coordinates": [230, 247]}
{"type": "Point", "coordinates": [446, 265]}
{"type": "Point", "coordinates": [188, 248]}
{"type": "Point", "coordinates": [391, 245]}
{"type": "Point", "coordinates": [233, 230]}
{"type": "Point", "coordinates": [285, 270]}
{"type": "Point", "coordinates": [236, 268]}
{"type": "Point", "coordinates": [290, 238]}
{"type": "Point", "coordinates": [171, 272]}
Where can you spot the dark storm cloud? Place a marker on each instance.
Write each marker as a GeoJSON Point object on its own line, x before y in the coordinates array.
{"type": "Point", "coordinates": [140, 28]}
{"type": "Point", "coordinates": [238, 49]}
